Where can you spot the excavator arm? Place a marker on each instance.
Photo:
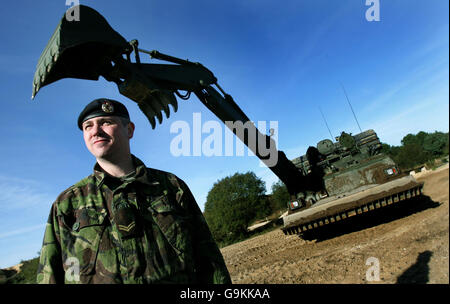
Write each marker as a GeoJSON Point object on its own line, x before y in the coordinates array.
{"type": "Point", "coordinates": [90, 48]}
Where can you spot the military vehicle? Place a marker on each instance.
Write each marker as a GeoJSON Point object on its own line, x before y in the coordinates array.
{"type": "Point", "coordinates": [356, 178]}
{"type": "Point", "coordinates": [88, 48]}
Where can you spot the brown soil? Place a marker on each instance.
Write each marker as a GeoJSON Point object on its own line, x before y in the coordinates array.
{"type": "Point", "coordinates": [410, 242]}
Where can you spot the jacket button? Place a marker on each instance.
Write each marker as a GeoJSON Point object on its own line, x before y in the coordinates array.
{"type": "Point", "coordinates": [76, 226]}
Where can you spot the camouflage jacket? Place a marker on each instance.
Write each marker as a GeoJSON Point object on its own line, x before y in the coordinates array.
{"type": "Point", "coordinates": [144, 229]}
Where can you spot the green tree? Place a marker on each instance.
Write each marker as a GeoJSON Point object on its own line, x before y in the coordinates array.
{"type": "Point", "coordinates": [417, 139]}
{"type": "Point", "coordinates": [411, 155]}
{"type": "Point", "coordinates": [232, 204]}
{"type": "Point", "coordinates": [385, 148]}
{"type": "Point", "coordinates": [417, 149]}
{"type": "Point", "coordinates": [435, 143]}
{"type": "Point", "coordinates": [280, 196]}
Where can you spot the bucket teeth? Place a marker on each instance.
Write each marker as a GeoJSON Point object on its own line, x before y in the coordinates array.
{"type": "Point", "coordinates": [164, 101]}
{"type": "Point", "coordinates": [148, 111]}
{"type": "Point", "coordinates": [156, 103]}
{"type": "Point", "coordinates": [159, 116]}
{"type": "Point", "coordinates": [174, 103]}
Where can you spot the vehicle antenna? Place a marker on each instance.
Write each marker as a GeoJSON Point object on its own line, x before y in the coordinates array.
{"type": "Point", "coordinates": [326, 123]}
{"type": "Point", "coordinates": [351, 107]}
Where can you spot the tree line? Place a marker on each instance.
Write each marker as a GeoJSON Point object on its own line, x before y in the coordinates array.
{"type": "Point", "coordinates": [236, 201]}
{"type": "Point", "coordinates": [418, 149]}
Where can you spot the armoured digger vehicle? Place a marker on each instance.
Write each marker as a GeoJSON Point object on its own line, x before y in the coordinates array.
{"type": "Point", "coordinates": [331, 182]}
{"type": "Point", "coordinates": [357, 177]}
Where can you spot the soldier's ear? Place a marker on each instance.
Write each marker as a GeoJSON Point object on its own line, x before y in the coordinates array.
{"type": "Point", "coordinates": [130, 129]}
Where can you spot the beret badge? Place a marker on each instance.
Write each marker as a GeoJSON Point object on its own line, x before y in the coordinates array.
{"type": "Point", "coordinates": [107, 107]}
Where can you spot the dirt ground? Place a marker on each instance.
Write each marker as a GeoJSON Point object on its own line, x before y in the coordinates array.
{"type": "Point", "coordinates": [407, 243]}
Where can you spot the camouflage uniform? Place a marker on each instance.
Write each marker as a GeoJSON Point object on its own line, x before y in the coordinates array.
{"type": "Point", "coordinates": [145, 228]}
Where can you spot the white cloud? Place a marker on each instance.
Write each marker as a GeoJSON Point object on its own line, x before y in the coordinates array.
{"type": "Point", "coordinates": [21, 231]}
{"type": "Point", "coordinates": [16, 193]}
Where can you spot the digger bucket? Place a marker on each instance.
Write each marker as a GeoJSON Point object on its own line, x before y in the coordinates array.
{"type": "Point", "coordinates": [79, 49]}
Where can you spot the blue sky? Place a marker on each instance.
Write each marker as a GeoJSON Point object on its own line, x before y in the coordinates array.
{"type": "Point", "coordinates": [279, 62]}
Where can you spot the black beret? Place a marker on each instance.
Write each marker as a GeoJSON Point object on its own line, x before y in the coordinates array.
{"type": "Point", "coordinates": [102, 107]}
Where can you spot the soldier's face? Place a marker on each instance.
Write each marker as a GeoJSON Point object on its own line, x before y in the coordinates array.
{"type": "Point", "coordinates": [106, 137]}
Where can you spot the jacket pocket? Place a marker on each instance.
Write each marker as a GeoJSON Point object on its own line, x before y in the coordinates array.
{"type": "Point", "coordinates": [83, 240]}
{"type": "Point", "coordinates": [174, 223]}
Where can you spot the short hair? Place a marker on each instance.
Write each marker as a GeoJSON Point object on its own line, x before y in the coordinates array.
{"type": "Point", "coordinates": [124, 121]}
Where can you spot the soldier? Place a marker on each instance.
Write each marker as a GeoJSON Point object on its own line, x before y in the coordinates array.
{"type": "Point", "coordinates": [126, 223]}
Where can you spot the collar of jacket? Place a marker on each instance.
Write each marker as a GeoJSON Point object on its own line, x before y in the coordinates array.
{"type": "Point", "coordinates": [142, 174]}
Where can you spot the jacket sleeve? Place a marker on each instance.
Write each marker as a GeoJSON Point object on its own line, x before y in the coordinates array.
{"type": "Point", "coordinates": [50, 269]}
{"type": "Point", "coordinates": [210, 265]}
